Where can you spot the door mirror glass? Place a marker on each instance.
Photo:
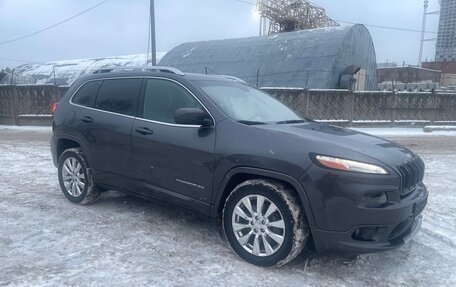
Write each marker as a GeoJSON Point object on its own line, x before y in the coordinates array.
{"type": "Point", "coordinates": [192, 116]}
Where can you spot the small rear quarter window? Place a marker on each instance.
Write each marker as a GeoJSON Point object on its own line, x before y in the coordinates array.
{"type": "Point", "coordinates": [86, 95]}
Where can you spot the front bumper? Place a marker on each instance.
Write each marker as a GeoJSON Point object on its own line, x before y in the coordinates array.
{"type": "Point", "coordinates": [344, 223]}
{"type": "Point", "coordinates": [392, 230]}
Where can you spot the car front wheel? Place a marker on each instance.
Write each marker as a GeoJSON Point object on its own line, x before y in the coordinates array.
{"type": "Point", "coordinates": [264, 223]}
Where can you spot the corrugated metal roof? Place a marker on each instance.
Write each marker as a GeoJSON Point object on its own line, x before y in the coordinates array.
{"type": "Point", "coordinates": [313, 58]}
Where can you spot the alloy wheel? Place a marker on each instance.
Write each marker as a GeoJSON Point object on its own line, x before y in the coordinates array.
{"type": "Point", "coordinates": [73, 177]}
{"type": "Point", "coordinates": [258, 225]}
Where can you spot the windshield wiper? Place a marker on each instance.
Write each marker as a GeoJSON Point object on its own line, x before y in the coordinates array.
{"type": "Point", "coordinates": [291, 122]}
{"type": "Point", "coordinates": [251, 123]}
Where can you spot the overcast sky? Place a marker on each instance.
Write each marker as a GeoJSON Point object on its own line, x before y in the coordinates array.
{"type": "Point", "coordinates": [119, 27]}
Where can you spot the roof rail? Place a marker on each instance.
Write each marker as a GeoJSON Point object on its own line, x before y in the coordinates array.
{"type": "Point", "coordinates": [140, 68]}
{"type": "Point", "coordinates": [233, 78]}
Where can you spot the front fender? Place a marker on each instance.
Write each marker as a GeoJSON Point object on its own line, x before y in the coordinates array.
{"type": "Point", "coordinates": [217, 198]}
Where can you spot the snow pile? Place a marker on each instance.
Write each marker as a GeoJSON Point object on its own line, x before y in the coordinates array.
{"type": "Point", "coordinates": [405, 132]}
{"type": "Point", "coordinates": [67, 71]}
{"type": "Point", "coordinates": [433, 129]}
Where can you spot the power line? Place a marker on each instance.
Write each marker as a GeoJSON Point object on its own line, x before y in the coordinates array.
{"type": "Point", "coordinates": [17, 60]}
{"type": "Point", "coordinates": [388, 27]}
{"type": "Point", "coordinates": [52, 26]}
{"type": "Point", "coordinates": [368, 25]}
{"type": "Point", "coordinates": [246, 2]}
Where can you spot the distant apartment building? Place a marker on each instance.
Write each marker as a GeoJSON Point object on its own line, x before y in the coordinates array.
{"type": "Point", "coordinates": [446, 39]}
{"type": "Point", "coordinates": [442, 72]}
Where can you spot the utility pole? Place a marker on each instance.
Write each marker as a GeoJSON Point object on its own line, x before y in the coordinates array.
{"type": "Point", "coordinates": [53, 71]}
{"type": "Point", "coordinates": [426, 5]}
{"type": "Point", "coordinates": [426, 2]}
{"type": "Point", "coordinates": [261, 25]}
{"type": "Point", "coordinates": [152, 33]}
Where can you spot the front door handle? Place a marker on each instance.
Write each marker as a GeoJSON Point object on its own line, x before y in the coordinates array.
{"type": "Point", "coordinates": [144, 131]}
{"type": "Point", "coordinates": [87, 119]}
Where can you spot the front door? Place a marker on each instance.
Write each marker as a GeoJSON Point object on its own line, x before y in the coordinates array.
{"type": "Point", "coordinates": [171, 158]}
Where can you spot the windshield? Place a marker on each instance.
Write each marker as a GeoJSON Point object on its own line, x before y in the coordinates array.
{"type": "Point", "coordinates": [248, 105]}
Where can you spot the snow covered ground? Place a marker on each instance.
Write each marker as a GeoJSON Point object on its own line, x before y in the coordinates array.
{"type": "Point", "coordinates": [121, 240]}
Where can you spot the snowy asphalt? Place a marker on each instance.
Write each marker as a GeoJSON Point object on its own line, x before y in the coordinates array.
{"type": "Point", "coordinates": [124, 241]}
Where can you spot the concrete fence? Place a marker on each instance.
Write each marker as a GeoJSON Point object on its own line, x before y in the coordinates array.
{"type": "Point", "coordinates": [31, 105]}
{"type": "Point", "coordinates": [345, 108]}
{"type": "Point", "coordinates": [28, 105]}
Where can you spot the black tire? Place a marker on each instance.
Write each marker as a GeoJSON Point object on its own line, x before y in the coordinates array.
{"type": "Point", "coordinates": [90, 192]}
{"type": "Point", "coordinates": [296, 234]}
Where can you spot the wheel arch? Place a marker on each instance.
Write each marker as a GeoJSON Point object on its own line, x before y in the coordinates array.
{"type": "Point", "coordinates": [65, 142]}
{"type": "Point", "coordinates": [240, 174]}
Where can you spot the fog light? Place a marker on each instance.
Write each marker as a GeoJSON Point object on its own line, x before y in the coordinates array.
{"type": "Point", "coordinates": [373, 200]}
{"type": "Point", "coordinates": [365, 233]}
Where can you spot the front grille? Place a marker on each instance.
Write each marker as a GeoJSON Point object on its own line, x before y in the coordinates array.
{"type": "Point", "coordinates": [412, 173]}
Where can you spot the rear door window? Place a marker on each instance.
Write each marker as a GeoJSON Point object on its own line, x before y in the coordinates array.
{"type": "Point", "coordinates": [119, 96]}
{"type": "Point", "coordinates": [86, 95]}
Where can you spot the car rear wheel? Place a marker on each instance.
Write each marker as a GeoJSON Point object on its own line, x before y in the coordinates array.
{"type": "Point", "coordinates": [264, 223]}
{"type": "Point", "coordinates": [75, 177]}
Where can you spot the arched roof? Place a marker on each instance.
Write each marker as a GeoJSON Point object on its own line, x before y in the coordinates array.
{"type": "Point", "coordinates": [311, 58]}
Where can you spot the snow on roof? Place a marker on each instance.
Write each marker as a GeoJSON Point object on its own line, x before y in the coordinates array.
{"type": "Point", "coordinates": [67, 71]}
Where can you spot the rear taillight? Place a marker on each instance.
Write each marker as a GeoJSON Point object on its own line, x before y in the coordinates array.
{"type": "Point", "coordinates": [54, 107]}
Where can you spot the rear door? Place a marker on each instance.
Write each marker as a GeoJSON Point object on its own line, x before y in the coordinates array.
{"type": "Point", "coordinates": [107, 129]}
{"type": "Point", "coordinates": [171, 158]}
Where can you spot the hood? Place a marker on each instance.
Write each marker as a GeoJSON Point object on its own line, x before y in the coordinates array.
{"type": "Point", "coordinates": [344, 143]}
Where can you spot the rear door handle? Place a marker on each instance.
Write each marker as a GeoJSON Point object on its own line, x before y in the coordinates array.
{"type": "Point", "coordinates": [144, 131]}
{"type": "Point", "coordinates": [87, 119]}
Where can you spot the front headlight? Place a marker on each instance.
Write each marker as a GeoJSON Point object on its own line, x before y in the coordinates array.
{"type": "Point", "coordinates": [350, 165]}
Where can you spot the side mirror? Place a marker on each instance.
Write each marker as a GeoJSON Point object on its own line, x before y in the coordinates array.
{"type": "Point", "coordinates": [192, 116]}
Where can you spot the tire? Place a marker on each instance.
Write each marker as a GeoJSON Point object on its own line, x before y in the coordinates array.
{"type": "Point", "coordinates": [276, 237]}
{"type": "Point", "coordinates": [75, 177]}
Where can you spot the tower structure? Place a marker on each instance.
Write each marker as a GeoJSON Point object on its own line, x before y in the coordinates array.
{"type": "Point", "coordinates": [293, 15]}
{"type": "Point", "coordinates": [426, 5]}
{"type": "Point", "coordinates": [446, 38]}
